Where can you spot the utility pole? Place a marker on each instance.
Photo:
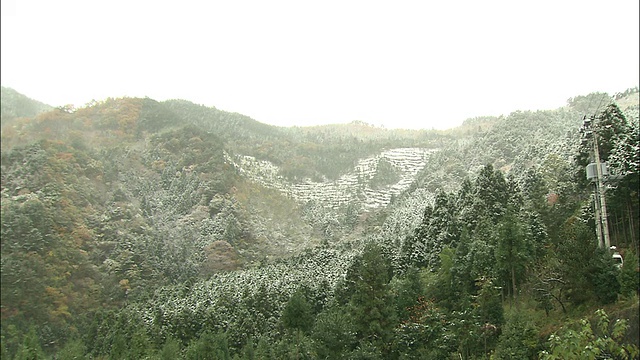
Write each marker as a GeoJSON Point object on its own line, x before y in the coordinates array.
{"type": "Point", "coordinates": [600, 202]}
{"type": "Point", "coordinates": [601, 193]}
{"type": "Point", "coordinates": [596, 210]}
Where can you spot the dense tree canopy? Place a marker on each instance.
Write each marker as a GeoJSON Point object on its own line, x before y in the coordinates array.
{"type": "Point", "coordinates": [131, 230]}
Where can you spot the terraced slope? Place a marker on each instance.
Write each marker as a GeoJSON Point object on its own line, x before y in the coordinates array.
{"type": "Point", "coordinates": [372, 182]}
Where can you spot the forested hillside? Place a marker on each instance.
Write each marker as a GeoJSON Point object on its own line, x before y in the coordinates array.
{"type": "Point", "coordinates": [15, 105]}
{"type": "Point", "coordinates": [133, 228]}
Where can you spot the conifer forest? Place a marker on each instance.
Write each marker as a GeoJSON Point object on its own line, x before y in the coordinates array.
{"type": "Point", "coordinates": [140, 229]}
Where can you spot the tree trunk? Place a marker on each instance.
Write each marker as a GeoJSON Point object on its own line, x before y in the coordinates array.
{"type": "Point", "coordinates": [631, 227]}
{"type": "Point", "coordinates": [618, 230]}
{"type": "Point", "coordinates": [513, 282]}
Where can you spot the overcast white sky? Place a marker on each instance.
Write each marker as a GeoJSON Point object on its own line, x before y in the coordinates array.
{"type": "Point", "coordinates": [411, 64]}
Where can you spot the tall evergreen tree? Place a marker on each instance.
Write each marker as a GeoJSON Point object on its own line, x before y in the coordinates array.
{"type": "Point", "coordinates": [574, 252]}
{"type": "Point", "coordinates": [30, 348]}
{"type": "Point", "coordinates": [170, 349]}
{"type": "Point", "coordinates": [624, 204]}
{"type": "Point", "coordinates": [439, 228]}
{"type": "Point", "coordinates": [610, 125]}
{"type": "Point", "coordinates": [209, 346]}
{"type": "Point", "coordinates": [371, 303]}
{"type": "Point", "coordinates": [491, 193]}
{"type": "Point", "coordinates": [297, 314]}
{"type": "Point", "coordinates": [513, 252]}
{"type": "Point", "coordinates": [408, 289]}
{"type": "Point", "coordinates": [518, 339]}
{"type": "Point", "coordinates": [334, 333]}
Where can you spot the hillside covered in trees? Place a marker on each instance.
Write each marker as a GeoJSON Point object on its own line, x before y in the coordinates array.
{"type": "Point", "coordinates": [134, 229]}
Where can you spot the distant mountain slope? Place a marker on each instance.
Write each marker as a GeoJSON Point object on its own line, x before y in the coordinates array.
{"type": "Point", "coordinates": [16, 105]}
{"type": "Point", "coordinates": [372, 183]}
{"type": "Point", "coordinates": [240, 130]}
{"type": "Point", "coordinates": [320, 152]}
{"type": "Point", "coordinates": [150, 181]}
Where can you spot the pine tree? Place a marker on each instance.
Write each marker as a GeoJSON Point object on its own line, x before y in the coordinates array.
{"type": "Point", "coordinates": [139, 346]}
{"type": "Point", "coordinates": [610, 125]}
{"type": "Point", "coordinates": [371, 304]}
{"type": "Point", "coordinates": [603, 276]}
{"type": "Point", "coordinates": [446, 288]}
{"type": "Point", "coordinates": [209, 346]}
{"type": "Point", "coordinates": [263, 350]}
{"type": "Point", "coordinates": [297, 314]}
{"type": "Point", "coordinates": [491, 193]}
{"type": "Point", "coordinates": [408, 289]}
{"type": "Point", "coordinates": [574, 252]}
{"type": "Point", "coordinates": [170, 349]}
{"type": "Point", "coordinates": [73, 349]}
{"type": "Point", "coordinates": [489, 312]}
{"type": "Point", "coordinates": [333, 333]}
{"type": "Point", "coordinates": [118, 347]}
{"type": "Point", "coordinates": [513, 252]}
{"type": "Point", "coordinates": [518, 340]}
{"type": "Point", "coordinates": [439, 228]}
{"type": "Point", "coordinates": [629, 279]}
{"type": "Point", "coordinates": [30, 348]}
